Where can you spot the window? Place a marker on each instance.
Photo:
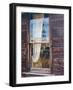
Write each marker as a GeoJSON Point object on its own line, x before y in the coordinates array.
{"type": "Point", "coordinates": [40, 43]}
{"type": "Point", "coordinates": [39, 30]}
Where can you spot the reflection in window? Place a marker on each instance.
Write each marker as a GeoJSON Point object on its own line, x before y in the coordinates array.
{"type": "Point", "coordinates": [39, 34]}
{"type": "Point", "coordinates": [40, 55]}
{"type": "Point", "coordinates": [39, 30]}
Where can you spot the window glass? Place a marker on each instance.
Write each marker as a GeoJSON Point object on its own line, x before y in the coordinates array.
{"type": "Point", "coordinates": [39, 30]}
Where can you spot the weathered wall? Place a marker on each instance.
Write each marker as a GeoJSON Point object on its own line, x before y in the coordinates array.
{"type": "Point", "coordinates": [25, 45]}
{"type": "Point", "coordinates": [57, 37]}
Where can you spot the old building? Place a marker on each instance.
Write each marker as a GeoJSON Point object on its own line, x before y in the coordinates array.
{"type": "Point", "coordinates": [42, 44]}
